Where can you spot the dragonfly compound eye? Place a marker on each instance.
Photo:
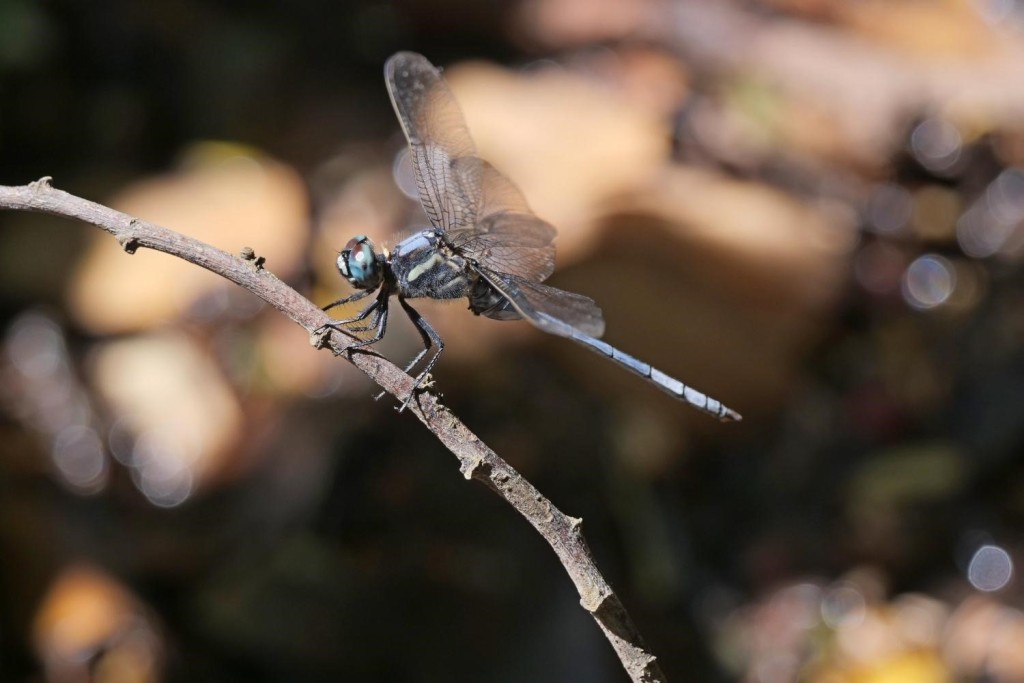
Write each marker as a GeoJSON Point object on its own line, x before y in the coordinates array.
{"type": "Point", "coordinates": [357, 262]}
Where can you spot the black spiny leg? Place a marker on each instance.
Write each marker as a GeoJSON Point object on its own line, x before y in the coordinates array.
{"type": "Point", "coordinates": [374, 321]}
{"type": "Point", "coordinates": [430, 338]}
{"type": "Point", "coordinates": [379, 322]}
{"type": "Point", "coordinates": [361, 294]}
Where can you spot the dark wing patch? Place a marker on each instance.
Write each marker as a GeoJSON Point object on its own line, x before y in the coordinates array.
{"type": "Point", "coordinates": [518, 244]}
{"type": "Point", "coordinates": [507, 236]}
{"type": "Point", "coordinates": [553, 310]}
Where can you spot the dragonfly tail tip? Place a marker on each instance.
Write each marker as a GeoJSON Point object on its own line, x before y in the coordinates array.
{"type": "Point", "coordinates": [729, 415]}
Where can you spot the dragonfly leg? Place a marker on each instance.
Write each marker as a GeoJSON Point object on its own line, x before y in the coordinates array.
{"type": "Point", "coordinates": [361, 294]}
{"type": "Point", "coordinates": [374, 322]}
{"type": "Point", "coordinates": [379, 308]}
{"type": "Point", "coordinates": [380, 322]}
{"type": "Point", "coordinates": [430, 339]}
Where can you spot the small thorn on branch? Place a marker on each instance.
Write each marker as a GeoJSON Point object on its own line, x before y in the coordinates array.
{"type": "Point", "coordinates": [470, 466]}
{"type": "Point", "coordinates": [128, 243]}
{"type": "Point", "coordinates": [249, 254]}
{"type": "Point", "coordinates": [318, 337]}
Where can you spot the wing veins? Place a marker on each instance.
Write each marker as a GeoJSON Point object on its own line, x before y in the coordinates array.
{"type": "Point", "coordinates": [552, 310]}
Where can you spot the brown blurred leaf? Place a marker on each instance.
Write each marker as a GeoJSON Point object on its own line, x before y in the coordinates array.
{"type": "Point", "coordinates": [222, 194]}
{"type": "Point", "coordinates": [983, 640]}
{"type": "Point", "coordinates": [90, 628]}
{"type": "Point", "coordinates": [173, 398]}
{"type": "Point", "coordinates": [933, 30]}
{"type": "Point", "coordinates": [867, 91]}
{"type": "Point", "coordinates": [670, 292]}
{"type": "Point", "coordinates": [569, 144]}
{"type": "Point", "coordinates": [568, 23]}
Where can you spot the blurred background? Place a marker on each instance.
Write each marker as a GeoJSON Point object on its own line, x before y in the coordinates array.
{"type": "Point", "coordinates": [813, 210]}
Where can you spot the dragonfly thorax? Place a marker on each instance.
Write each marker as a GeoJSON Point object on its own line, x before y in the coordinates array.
{"type": "Point", "coordinates": [423, 265]}
{"type": "Point", "coordinates": [359, 263]}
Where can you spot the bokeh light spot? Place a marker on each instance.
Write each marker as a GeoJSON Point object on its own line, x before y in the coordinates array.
{"type": "Point", "coordinates": [936, 144]}
{"type": "Point", "coordinates": [889, 209]}
{"type": "Point", "coordinates": [79, 457]}
{"type": "Point", "coordinates": [990, 568]}
{"type": "Point", "coordinates": [163, 468]}
{"type": "Point", "coordinates": [34, 345]}
{"type": "Point", "coordinates": [979, 234]}
{"type": "Point", "coordinates": [1005, 196]}
{"type": "Point", "coordinates": [843, 604]}
{"type": "Point", "coordinates": [929, 281]}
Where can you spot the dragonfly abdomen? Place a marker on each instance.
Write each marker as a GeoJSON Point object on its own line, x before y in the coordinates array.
{"type": "Point", "coordinates": [664, 382]}
{"type": "Point", "coordinates": [485, 300]}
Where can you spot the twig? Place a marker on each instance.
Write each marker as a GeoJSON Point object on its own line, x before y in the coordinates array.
{"type": "Point", "coordinates": [477, 461]}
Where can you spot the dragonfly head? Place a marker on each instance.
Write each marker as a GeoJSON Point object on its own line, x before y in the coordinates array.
{"type": "Point", "coordinates": [358, 263]}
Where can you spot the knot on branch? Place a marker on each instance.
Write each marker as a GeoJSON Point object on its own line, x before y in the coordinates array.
{"type": "Point", "coordinates": [128, 242]}
{"type": "Point", "coordinates": [249, 254]}
{"type": "Point", "coordinates": [596, 601]}
{"type": "Point", "coordinates": [476, 467]}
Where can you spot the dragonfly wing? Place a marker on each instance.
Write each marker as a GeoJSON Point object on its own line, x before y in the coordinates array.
{"type": "Point", "coordinates": [497, 193]}
{"type": "Point", "coordinates": [483, 213]}
{"type": "Point", "coordinates": [509, 242]}
{"type": "Point", "coordinates": [442, 149]}
{"type": "Point", "coordinates": [555, 311]}
{"type": "Point", "coordinates": [507, 236]}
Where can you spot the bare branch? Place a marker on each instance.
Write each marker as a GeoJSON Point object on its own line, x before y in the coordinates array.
{"type": "Point", "coordinates": [477, 461]}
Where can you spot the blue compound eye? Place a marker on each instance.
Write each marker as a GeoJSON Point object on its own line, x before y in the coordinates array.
{"type": "Point", "coordinates": [358, 263]}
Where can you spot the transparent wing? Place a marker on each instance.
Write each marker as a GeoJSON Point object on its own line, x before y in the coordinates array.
{"type": "Point", "coordinates": [483, 213]}
{"type": "Point", "coordinates": [555, 311]}
{"type": "Point", "coordinates": [515, 243]}
{"type": "Point", "coordinates": [438, 138]}
{"type": "Point", "coordinates": [507, 236]}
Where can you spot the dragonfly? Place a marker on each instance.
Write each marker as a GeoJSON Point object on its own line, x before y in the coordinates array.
{"type": "Point", "coordinates": [484, 244]}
